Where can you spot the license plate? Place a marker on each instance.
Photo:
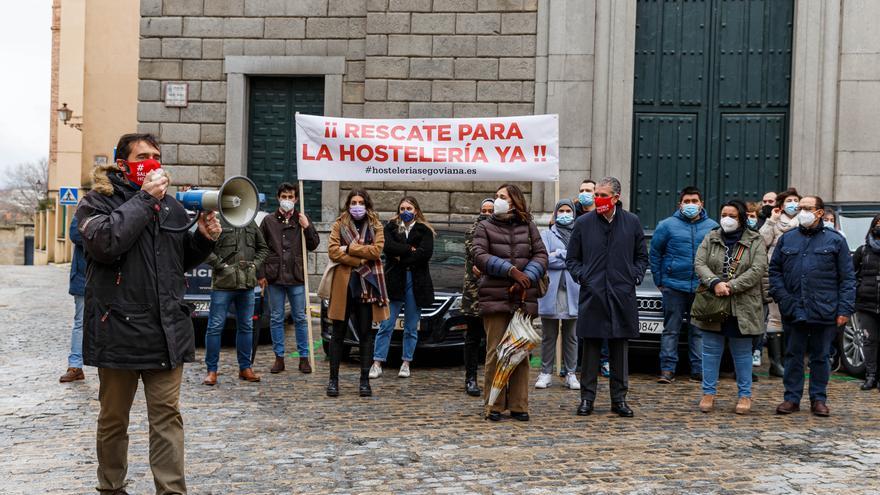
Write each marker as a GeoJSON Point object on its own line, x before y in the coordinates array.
{"type": "Point", "coordinates": [655, 327]}
{"type": "Point", "coordinates": [398, 325]}
{"type": "Point", "coordinates": [202, 306]}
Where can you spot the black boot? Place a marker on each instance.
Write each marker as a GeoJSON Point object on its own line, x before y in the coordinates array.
{"type": "Point", "coordinates": [364, 389]}
{"type": "Point", "coordinates": [776, 354]}
{"type": "Point", "coordinates": [366, 352]}
{"type": "Point", "coordinates": [471, 387]}
{"type": "Point", "coordinates": [336, 346]}
{"type": "Point", "coordinates": [870, 382]}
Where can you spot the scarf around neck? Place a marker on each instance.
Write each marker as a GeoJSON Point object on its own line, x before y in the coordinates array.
{"type": "Point", "coordinates": [371, 272]}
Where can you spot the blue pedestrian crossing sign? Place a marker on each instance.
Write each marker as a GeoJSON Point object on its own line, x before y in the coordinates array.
{"type": "Point", "coordinates": [68, 195]}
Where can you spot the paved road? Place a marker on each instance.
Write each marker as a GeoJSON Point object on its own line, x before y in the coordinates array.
{"type": "Point", "coordinates": [421, 435]}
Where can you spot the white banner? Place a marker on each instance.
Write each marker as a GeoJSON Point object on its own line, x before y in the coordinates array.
{"type": "Point", "coordinates": [467, 149]}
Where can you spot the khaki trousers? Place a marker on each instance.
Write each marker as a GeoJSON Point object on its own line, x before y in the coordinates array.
{"type": "Point", "coordinates": [516, 397]}
{"type": "Point", "coordinates": [162, 392]}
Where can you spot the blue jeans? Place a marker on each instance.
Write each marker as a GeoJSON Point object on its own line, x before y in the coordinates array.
{"type": "Point", "coordinates": [244, 326]}
{"type": "Point", "coordinates": [75, 358]}
{"type": "Point", "coordinates": [798, 339]}
{"type": "Point", "coordinates": [411, 315]}
{"type": "Point", "coordinates": [296, 294]}
{"type": "Point", "coordinates": [740, 349]}
{"type": "Point", "coordinates": [677, 313]}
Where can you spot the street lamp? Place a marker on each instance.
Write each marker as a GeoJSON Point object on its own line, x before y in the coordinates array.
{"type": "Point", "coordinates": [65, 115]}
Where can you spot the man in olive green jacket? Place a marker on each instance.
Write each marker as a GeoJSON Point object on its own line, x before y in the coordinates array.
{"type": "Point", "coordinates": [237, 255]}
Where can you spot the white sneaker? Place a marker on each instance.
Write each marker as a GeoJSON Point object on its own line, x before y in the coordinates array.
{"type": "Point", "coordinates": [571, 381]}
{"type": "Point", "coordinates": [544, 380]}
{"type": "Point", "coordinates": [375, 371]}
{"type": "Point", "coordinates": [404, 371]}
{"type": "Point", "coordinates": [756, 358]}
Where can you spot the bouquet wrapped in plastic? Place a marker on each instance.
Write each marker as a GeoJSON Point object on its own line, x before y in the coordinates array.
{"type": "Point", "coordinates": [518, 340]}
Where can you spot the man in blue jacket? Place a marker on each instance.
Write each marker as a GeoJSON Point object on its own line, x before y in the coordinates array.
{"type": "Point", "coordinates": [673, 248]}
{"type": "Point", "coordinates": [812, 280]}
{"type": "Point", "coordinates": [77, 289]}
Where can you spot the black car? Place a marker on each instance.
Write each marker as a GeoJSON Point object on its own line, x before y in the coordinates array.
{"type": "Point", "coordinates": [853, 221]}
{"type": "Point", "coordinates": [442, 326]}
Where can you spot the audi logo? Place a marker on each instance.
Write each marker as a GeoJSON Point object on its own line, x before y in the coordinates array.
{"type": "Point", "coordinates": [650, 304]}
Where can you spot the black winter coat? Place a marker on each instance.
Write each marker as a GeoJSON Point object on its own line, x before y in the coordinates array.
{"type": "Point", "coordinates": [609, 260]}
{"type": "Point", "coordinates": [866, 262]}
{"type": "Point", "coordinates": [400, 258]}
{"type": "Point", "coordinates": [284, 264]}
{"type": "Point", "coordinates": [134, 316]}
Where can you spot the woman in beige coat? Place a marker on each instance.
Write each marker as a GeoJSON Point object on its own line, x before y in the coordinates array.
{"type": "Point", "coordinates": [783, 219]}
{"type": "Point", "coordinates": [357, 289]}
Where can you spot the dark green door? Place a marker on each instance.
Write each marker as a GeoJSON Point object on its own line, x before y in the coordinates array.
{"type": "Point", "coordinates": [711, 101]}
{"type": "Point", "coordinates": [273, 104]}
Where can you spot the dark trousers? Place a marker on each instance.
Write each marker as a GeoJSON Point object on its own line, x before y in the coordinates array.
{"type": "Point", "coordinates": [800, 339]}
{"type": "Point", "coordinates": [361, 316]}
{"type": "Point", "coordinates": [617, 359]}
{"type": "Point", "coordinates": [472, 340]}
{"type": "Point", "coordinates": [871, 323]}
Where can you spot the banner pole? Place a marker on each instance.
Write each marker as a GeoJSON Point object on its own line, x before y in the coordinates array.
{"type": "Point", "coordinates": [308, 297]}
{"type": "Point", "coordinates": [558, 328]}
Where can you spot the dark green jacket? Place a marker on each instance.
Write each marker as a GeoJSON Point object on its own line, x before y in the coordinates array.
{"type": "Point", "coordinates": [747, 301]}
{"type": "Point", "coordinates": [237, 255]}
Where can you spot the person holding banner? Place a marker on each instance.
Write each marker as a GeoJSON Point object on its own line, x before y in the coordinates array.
{"type": "Point", "coordinates": [559, 307]}
{"type": "Point", "coordinates": [283, 274]}
{"type": "Point", "coordinates": [357, 287]}
{"type": "Point", "coordinates": [509, 253]}
{"type": "Point", "coordinates": [608, 257]}
{"type": "Point", "coordinates": [409, 245]}
{"type": "Point", "coordinates": [470, 304]}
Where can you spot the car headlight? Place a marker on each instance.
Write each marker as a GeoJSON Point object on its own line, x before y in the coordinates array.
{"type": "Point", "coordinates": [456, 304]}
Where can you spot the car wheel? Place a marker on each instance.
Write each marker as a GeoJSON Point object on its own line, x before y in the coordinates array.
{"type": "Point", "coordinates": [850, 345]}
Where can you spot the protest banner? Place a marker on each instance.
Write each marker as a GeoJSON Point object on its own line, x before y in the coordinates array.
{"type": "Point", "coordinates": [522, 148]}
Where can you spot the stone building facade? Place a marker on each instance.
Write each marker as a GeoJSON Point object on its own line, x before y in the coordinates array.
{"type": "Point", "coordinates": [581, 59]}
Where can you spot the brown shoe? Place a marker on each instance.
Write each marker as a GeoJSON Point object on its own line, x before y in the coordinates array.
{"type": "Point", "coordinates": [707, 403]}
{"type": "Point", "coordinates": [819, 408]}
{"type": "Point", "coordinates": [211, 379]}
{"type": "Point", "coordinates": [72, 375]}
{"type": "Point", "coordinates": [787, 408]}
{"type": "Point", "coordinates": [248, 374]}
{"type": "Point", "coordinates": [744, 406]}
{"type": "Point", "coordinates": [304, 365]}
{"type": "Point", "coordinates": [278, 367]}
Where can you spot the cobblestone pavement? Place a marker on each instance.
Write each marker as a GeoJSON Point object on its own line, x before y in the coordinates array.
{"type": "Point", "coordinates": [421, 435]}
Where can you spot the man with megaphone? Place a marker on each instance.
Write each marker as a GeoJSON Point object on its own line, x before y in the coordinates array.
{"type": "Point", "coordinates": [136, 326]}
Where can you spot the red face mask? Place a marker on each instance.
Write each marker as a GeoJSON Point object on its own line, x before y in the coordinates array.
{"type": "Point", "coordinates": [138, 171]}
{"type": "Point", "coordinates": [604, 205]}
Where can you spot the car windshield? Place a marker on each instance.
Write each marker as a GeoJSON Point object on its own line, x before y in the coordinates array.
{"type": "Point", "coordinates": [854, 227]}
{"type": "Point", "coordinates": [447, 264]}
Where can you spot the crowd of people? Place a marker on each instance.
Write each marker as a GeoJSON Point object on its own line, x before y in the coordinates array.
{"type": "Point", "coordinates": [774, 274]}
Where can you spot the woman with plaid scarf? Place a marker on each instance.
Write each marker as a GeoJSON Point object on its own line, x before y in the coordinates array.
{"type": "Point", "coordinates": [358, 283]}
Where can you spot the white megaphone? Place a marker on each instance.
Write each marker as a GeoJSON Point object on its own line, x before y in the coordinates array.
{"type": "Point", "coordinates": [237, 201]}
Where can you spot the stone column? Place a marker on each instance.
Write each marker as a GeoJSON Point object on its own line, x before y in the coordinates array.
{"type": "Point", "coordinates": [814, 90]}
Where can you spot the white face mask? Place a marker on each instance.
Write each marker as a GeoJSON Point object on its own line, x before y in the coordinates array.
{"type": "Point", "coordinates": [286, 204]}
{"type": "Point", "coordinates": [829, 225]}
{"type": "Point", "coordinates": [501, 206]}
{"type": "Point", "coordinates": [806, 218]}
{"type": "Point", "coordinates": [729, 224]}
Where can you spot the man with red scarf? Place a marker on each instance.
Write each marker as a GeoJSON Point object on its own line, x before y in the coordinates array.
{"type": "Point", "coordinates": [608, 257]}
{"type": "Point", "coordinates": [136, 327]}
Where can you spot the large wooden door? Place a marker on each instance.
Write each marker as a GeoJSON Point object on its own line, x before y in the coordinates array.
{"type": "Point", "coordinates": [711, 101]}
{"type": "Point", "coordinates": [274, 102]}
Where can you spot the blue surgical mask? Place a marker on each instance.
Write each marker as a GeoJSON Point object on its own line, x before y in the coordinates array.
{"type": "Point", "coordinates": [791, 209]}
{"type": "Point", "coordinates": [753, 222]}
{"type": "Point", "coordinates": [564, 218]}
{"type": "Point", "coordinates": [407, 216]}
{"type": "Point", "coordinates": [690, 210]}
{"type": "Point", "coordinates": [585, 198]}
